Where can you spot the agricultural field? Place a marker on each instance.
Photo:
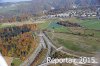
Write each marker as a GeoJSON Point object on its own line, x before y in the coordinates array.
{"type": "Point", "coordinates": [77, 43]}
{"type": "Point", "coordinates": [4, 26]}
{"type": "Point", "coordinates": [51, 25]}
{"type": "Point", "coordinates": [92, 25]}
{"type": "Point", "coordinates": [88, 23]}
{"type": "Point", "coordinates": [84, 40]}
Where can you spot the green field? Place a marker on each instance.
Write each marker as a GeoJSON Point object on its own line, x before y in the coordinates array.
{"type": "Point", "coordinates": [16, 62]}
{"type": "Point", "coordinates": [87, 23]}
{"type": "Point", "coordinates": [0, 25]}
{"type": "Point", "coordinates": [91, 24]}
{"type": "Point", "coordinates": [51, 25]}
{"type": "Point", "coordinates": [77, 43]}
{"type": "Point", "coordinates": [3, 26]}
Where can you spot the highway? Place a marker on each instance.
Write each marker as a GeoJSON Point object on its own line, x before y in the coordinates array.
{"type": "Point", "coordinates": [44, 43]}
{"type": "Point", "coordinates": [50, 44]}
{"type": "Point", "coordinates": [56, 49]}
{"type": "Point", "coordinates": [30, 59]}
{"type": "Point", "coordinates": [48, 41]}
{"type": "Point", "coordinates": [41, 45]}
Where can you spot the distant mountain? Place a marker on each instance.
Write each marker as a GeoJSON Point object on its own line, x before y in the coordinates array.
{"type": "Point", "coordinates": [38, 6]}
{"type": "Point", "coordinates": [47, 4]}
{"type": "Point", "coordinates": [87, 2]}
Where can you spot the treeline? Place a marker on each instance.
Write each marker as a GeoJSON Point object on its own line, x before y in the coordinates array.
{"type": "Point", "coordinates": [16, 30]}
{"type": "Point", "coordinates": [68, 24]}
{"type": "Point", "coordinates": [17, 41]}
{"type": "Point", "coordinates": [15, 18]}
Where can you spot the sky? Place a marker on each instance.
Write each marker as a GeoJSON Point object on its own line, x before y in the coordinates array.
{"type": "Point", "coordinates": [13, 0]}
